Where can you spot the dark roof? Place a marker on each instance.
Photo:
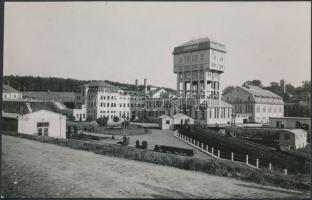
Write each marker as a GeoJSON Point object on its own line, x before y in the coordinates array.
{"type": "Point", "coordinates": [49, 96]}
{"type": "Point", "coordinates": [9, 89]}
{"type": "Point", "coordinates": [15, 107]}
{"type": "Point", "coordinates": [22, 108]}
{"type": "Point", "coordinates": [199, 44]}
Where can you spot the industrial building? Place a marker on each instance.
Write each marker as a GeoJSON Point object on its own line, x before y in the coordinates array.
{"type": "Point", "coordinates": [41, 123]}
{"type": "Point", "coordinates": [257, 103]}
{"type": "Point", "coordinates": [199, 65]}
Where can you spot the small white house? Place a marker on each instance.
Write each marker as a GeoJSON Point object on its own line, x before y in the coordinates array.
{"type": "Point", "coordinates": [179, 119]}
{"type": "Point", "coordinates": [41, 123]}
{"type": "Point", "coordinates": [165, 122]}
{"type": "Point", "coordinates": [294, 139]}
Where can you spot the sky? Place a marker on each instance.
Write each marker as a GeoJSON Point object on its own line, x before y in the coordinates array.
{"type": "Point", "coordinates": [124, 41]}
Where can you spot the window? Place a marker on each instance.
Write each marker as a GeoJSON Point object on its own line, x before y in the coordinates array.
{"type": "Point", "coordinates": [167, 121]}
{"type": "Point", "coordinates": [286, 136]}
{"type": "Point", "coordinates": [202, 56]}
{"type": "Point", "coordinates": [39, 131]}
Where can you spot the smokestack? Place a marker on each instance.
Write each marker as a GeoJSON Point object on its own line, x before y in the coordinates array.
{"type": "Point", "coordinates": [283, 85]}
{"type": "Point", "coordinates": [136, 83]}
{"type": "Point", "coordinates": [145, 85]}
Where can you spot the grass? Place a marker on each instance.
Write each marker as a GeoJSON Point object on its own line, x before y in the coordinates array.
{"type": "Point", "coordinates": [210, 166]}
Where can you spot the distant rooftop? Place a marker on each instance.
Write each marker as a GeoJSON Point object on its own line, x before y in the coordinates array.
{"type": "Point", "coordinates": [49, 96]}
{"type": "Point", "coordinates": [199, 44]}
{"type": "Point", "coordinates": [259, 92]}
{"type": "Point", "coordinates": [9, 89]}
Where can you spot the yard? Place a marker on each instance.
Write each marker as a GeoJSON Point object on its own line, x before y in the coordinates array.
{"type": "Point", "coordinates": [34, 169]}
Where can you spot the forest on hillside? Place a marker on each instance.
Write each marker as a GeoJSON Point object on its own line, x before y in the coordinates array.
{"type": "Point", "coordinates": [55, 84]}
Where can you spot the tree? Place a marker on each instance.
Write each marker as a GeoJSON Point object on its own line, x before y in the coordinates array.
{"type": "Point", "coordinates": [102, 121]}
{"type": "Point", "coordinates": [71, 118]}
{"type": "Point", "coordinates": [116, 119]}
{"type": "Point", "coordinates": [227, 89]}
{"type": "Point", "coordinates": [254, 83]}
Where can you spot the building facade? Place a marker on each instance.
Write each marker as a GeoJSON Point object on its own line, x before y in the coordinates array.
{"type": "Point", "coordinates": [257, 103]}
{"type": "Point", "coordinates": [294, 139]}
{"type": "Point", "coordinates": [291, 122]}
{"type": "Point", "coordinates": [41, 123]}
{"type": "Point", "coordinates": [10, 94]}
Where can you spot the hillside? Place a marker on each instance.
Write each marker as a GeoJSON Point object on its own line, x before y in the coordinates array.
{"type": "Point", "coordinates": [55, 84]}
{"type": "Point", "coordinates": [34, 169]}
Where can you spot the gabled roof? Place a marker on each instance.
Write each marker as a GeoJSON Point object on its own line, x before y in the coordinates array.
{"type": "Point", "coordinates": [259, 92]}
{"type": "Point", "coordinates": [44, 110]}
{"type": "Point", "coordinates": [9, 89]}
{"type": "Point", "coordinates": [261, 95]}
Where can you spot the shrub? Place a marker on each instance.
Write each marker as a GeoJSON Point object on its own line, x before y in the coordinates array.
{"type": "Point", "coordinates": [144, 144]}
{"type": "Point", "coordinates": [137, 144]}
{"type": "Point", "coordinates": [116, 119]}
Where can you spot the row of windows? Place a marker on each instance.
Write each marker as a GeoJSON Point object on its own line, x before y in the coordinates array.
{"type": "Point", "coordinates": [187, 58]}
{"type": "Point", "coordinates": [112, 111]}
{"type": "Point", "coordinates": [217, 55]}
{"type": "Point", "coordinates": [264, 109]}
{"type": "Point", "coordinates": [214, 65]}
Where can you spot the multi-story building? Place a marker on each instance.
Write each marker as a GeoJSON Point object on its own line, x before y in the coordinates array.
{"type": "Point", "coordinates": [100, 99]}
{"type": "Point", "coordinates": [257, 103]}
{"type": "Point", "coordinates": [199, 65]}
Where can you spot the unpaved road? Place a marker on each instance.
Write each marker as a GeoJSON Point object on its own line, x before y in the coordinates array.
{"type": "Point", "coordinates": [34, 169]}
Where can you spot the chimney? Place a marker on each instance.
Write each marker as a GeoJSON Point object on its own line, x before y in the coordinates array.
{"type": "Point", "coordinates": [136, 83]}
{"type": "Point", "coordinates": [145, 85]}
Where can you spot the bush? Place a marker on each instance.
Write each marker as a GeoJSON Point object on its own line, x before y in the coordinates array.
{"type": "Point", "coordinates": [137, 144]}
{"type": "Point", "coordinates": [144, 144]}
{"type": "Point", "coordinates": [102, 121]}
{"type": "Point", "coordinates": [116, 119]}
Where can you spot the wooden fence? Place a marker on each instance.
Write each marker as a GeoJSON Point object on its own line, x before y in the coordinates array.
{"type": "Point", "coordinates": [222, 155]}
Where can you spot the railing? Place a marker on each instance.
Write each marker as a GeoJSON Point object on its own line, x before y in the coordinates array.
{"type": "Point", "coordinates": [223, 155]}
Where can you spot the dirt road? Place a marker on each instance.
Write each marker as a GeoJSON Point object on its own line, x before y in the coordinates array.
{"type": "Point", "coordinates": [34, 169]}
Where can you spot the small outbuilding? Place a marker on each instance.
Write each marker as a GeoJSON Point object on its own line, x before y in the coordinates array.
{"type": "Point", "coordinates": [293, 139]}
{"type": "Point", "coordinates": [41, 123]}
{"type": "Point", "coordinates": [165, 122]}
{"type": "Point", "coordinates": [180, 119]}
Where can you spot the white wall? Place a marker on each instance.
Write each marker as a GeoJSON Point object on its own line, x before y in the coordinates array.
{"type": "Point", "coordinates": [57, 123]}
{"type": "Point", "coordinates": [11, 96]}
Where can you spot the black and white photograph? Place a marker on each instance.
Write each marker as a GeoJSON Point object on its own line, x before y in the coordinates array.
{"type": "Point", "coordinates": [157, 100]}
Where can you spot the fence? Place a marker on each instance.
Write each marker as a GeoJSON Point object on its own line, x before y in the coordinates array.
{"type": "Point", "coordinates": [248, 160]}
